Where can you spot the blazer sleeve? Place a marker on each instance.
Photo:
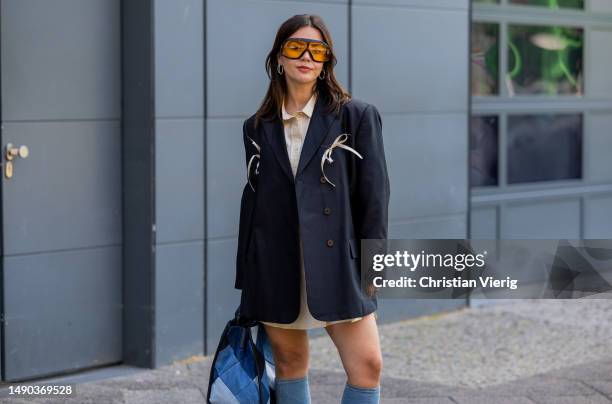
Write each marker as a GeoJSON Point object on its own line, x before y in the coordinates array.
{"type": "Point", "coordinates": [370, 201]}
{"type": "Point", "coordinates": [247, 203]}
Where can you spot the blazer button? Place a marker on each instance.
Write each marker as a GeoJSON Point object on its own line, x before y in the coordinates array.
{"type": "Point", "coordinates": [322, 179]}
{"type": "Point", "coordinates": [330, 243]}
{"type": "Point", "coordinates": [327, 211]}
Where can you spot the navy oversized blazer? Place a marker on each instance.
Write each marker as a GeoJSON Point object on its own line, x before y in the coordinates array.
{"type": "Point", "coordinates": [330, 220]}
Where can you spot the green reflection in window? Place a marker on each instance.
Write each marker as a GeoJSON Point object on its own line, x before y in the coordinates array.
{"type": "Point", "coordinates": [484, 57]}
{"type": "Point", "coordinates": [486, 1]}
{"type": "Point", "coordinates": [544, 60]}
{"type": "Point", "coordinates": [578, 4]}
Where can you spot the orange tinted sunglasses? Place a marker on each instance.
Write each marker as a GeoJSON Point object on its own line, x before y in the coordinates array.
{"type": "Point", "coordinates": [294, 48]}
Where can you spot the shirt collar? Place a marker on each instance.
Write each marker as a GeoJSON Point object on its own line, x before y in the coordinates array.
{"type": "Point", "coordinates": [308, 108]}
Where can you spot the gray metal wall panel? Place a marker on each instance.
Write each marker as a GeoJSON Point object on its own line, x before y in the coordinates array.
{"type": "Point", "coordinates": [179, 168]}
{"type": "Point", "coordinates": [64, 319]}
{"type": "Point", "coordinates": [179, 299]}
{"type": "Point", "coordinates": [62, 61]}
{"type": "Point", "coordinates": [451, 226]}
{"type": "Point", "coordinates": [600, 5]}
{"type": "Point", "coordinates": [179, 69]}
{"type": "Point", "coordinates": [225, 176]}
{"type": "Point", "coordinates": [599, 80]}
{"type": "Point", "coordinates": [222, 298]}
{"type": "Point", "coordinates": [179, 174]}
{"type": "Point", "coordinates": [72, 176]}
{"type": "Point", "coordinates": [444, 4]}
{"type": "Point", "coordinates": [401, 309]}
{"type": "Point", "coordinates": [483, 223]}
{"type": "Point", "coordinates": [138, 157]}
{"type": "Point", "coordinates": [427, 162]}
{"type": "Point", "coordinates": [540, 219]}
{"type": "Point", "coordinates": [419, 87]}
{"type": "Point", "coordinates": [397, 70]}
{"type": "Point", "coordinates": [316, 1]}
{"type": "Point", "coordinates": [598, 145]}
{"type": "Point", "coordinates": [597, 217]}
{"type": "Point", "coordinates": [237, 85]}
{"type": "Point", "coordinates": [62, 213]}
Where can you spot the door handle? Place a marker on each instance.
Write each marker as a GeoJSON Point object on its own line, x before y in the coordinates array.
{"type": "Point", "coordinates": [22, 151]}
{"type": "Point", "coordinates": [10, 153]}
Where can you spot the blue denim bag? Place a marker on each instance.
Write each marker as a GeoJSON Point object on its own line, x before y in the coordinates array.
{"type": "Point", "coordinates": [242, 369]}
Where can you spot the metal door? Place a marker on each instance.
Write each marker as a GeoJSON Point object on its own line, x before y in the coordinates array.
{"type": "Point", "coordinates": [61, 186]}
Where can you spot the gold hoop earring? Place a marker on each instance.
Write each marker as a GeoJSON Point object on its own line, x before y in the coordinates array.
{"type": "Point", "coordinates": [322, 71]}
{"type": "Point", "coordinates": [280, 69]}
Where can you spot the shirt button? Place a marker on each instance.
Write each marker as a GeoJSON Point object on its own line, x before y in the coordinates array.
{"type": "Point", "coordinates": [327, 211]}
{"type": "Point", "coordinates": [323, 180]}
{"type": "Point", "coordinates": [330, 243]}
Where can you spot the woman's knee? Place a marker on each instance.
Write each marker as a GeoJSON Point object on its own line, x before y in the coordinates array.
{"type": "Point", "coordinates": [373, 365]}
{"type": "Point", "coordinates": [366, 370]}
{"type": "Point", "coordinates": [290, 362]}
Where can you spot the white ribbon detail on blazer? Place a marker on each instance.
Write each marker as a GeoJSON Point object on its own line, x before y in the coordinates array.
{"type": "Point", "coordinates": [251, 162]}
{"type": "Point", "coordinates": [338, 142]}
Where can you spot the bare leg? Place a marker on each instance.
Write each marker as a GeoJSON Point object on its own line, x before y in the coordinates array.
{"type": "Point", "coordinates": [359, 347]}
{"type": "Point", "coordinates": [290, 350]}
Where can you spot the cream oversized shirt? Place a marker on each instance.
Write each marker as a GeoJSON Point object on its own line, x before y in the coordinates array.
{"type": "Point", "coordinates": [296, 126]}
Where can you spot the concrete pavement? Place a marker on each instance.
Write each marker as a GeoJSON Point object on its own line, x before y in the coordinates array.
{"type": "Point", "coordinates": [544, 351]}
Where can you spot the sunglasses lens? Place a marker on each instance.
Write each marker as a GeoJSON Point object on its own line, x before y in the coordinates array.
{"type": "Point", "coordinates": [294, 49]}
{"type": "Point", "coordinates": [319, 52]}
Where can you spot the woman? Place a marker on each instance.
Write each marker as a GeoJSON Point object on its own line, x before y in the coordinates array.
{"type": "Point", "coordinates": [316, 185]}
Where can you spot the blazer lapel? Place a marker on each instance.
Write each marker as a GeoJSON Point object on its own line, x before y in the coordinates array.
{"type": "Point", "coordinates": [275, 137]}
{"type": "Point", "coordinates": [319, 125]}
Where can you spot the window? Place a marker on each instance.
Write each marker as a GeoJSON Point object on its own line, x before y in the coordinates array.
{"type": "Point", "coordinates": [544, 60]}
{"type": "Point", "coordinates": [544, 147]}
{"type": "Point", "coordinates": [484, 151]}
{"type": "Point", "coordinates": [525, 70]}
{"type": "Point", "coordinates": [484, 58]}
{"type": "Point", "coordinates": [554, 4]}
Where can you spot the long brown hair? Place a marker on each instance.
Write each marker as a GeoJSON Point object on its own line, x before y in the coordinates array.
{"type": "Point", "coordinates": [329, 87]}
